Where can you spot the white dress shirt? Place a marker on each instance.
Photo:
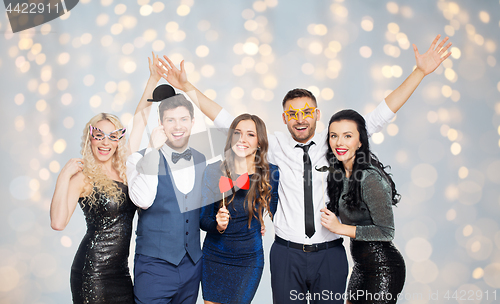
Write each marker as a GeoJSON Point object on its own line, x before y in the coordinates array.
{"type": "Point", "coordinates": [143, 175]}
{"type": "Point", "coordinates": [289, 218]}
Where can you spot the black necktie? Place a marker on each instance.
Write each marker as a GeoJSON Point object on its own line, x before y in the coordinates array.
{"type": "Point", "coordinates": [308, 193]}
{"type": "Point", "coordinates": [176, 156]}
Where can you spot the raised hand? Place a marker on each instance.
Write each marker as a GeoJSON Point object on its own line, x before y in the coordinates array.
{"type": "Point", "coordinates": [430, 60]}
{"type": "Point", "coordinates": [222, 218]}
{"type": "Point", "coordinates": [177, 78]}
{"type": "Point", "coordinates": [72, 167]}
{"type": "Point", "coordinates": [154, 67]}
{"type": "Point", "coordinates": [158, 137]}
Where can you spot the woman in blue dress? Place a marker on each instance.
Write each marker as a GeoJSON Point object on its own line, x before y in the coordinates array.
{"type": "Point", "coordinates": [236, 193]}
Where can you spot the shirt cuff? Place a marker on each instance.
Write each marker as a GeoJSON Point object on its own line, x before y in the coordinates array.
{"type": "Point", "coordinates": [378, 118]}
{"type": "Point", "coordinates": [223, 119]}
{"type": "Point", "coordinates": [385, 112]}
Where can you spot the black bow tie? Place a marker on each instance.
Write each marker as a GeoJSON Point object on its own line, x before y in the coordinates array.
{"type": "Point", "coordinates": [186, 155]}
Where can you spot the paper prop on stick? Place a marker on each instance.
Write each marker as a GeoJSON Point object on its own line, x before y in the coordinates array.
{"type": "Point", "coordinates": [330, 169]}
{"type": "Point", "coordinates": [306, 111]}
{"type": "Point", "coordinates": [226, 184]}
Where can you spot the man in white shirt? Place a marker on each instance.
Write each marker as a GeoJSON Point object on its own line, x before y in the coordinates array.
{"type": "Point", "coordinates": [165, 182]}
{"type": "Point", "coordinates": [306, 259]}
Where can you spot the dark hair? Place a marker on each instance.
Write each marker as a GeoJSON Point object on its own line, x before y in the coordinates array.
{"type": "Point", "coordinates": [363, 159]}
{"type": "Point", "coordinates": [298, 93]}
{"type": "Point", "coordinates": [260, 180]}
{"type": "Point", "coordinates": [173, 102]}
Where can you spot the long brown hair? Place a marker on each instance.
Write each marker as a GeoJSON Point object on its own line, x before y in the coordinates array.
{"type": "Point", "coordinates": [260, 179]}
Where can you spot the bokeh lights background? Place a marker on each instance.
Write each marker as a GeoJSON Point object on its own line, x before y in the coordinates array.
{"type": "Point", "coordinates": [443, 146]}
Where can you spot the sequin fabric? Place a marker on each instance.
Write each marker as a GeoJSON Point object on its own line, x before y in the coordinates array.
{"type": "Point", "coordinates": [378, 274]}
{"type": "Point", "coordinates": [379, 270]}
{"type": "Point", "coordinates": [232, 261]}
{"type": "Point", "coordinates": [100, 272]}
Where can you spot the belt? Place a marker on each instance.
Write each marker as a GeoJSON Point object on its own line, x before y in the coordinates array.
{"type": "Point", "coordinates": [309, 248]}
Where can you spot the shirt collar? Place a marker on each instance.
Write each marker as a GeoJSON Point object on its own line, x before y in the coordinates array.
{"type": "Point", "coordinates": [293, 143]}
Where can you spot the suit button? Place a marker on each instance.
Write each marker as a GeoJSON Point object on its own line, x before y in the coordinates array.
{"type": "Point", "coordinates": [187, 233]}
{"type": "Point", "coordinates": [186, 244]}
{"type": "Point", "coordinates": [186, 196]}
{"type": "Point", "coordinates": [187, 221]}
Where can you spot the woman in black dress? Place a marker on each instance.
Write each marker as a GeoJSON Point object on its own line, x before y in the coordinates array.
{"type": "Point", "coordinates": [362, 194]}
{"type": "Point", "coordinates": [98, 183]}
{"type": "Point", "coordinates": [99, 273]}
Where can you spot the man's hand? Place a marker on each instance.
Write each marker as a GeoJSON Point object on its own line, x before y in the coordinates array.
{"type": "Point", "coordinates": [158, 138]}
{"type": "Point", "coordinates": [430, 60]}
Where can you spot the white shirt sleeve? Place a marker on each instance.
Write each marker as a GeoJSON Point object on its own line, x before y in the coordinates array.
{"type": "Point", "coordinates": [378, 118]}
{"type": "Point", "coordinates": [223, 120]}
{"type": "Point", "coordinates": [142, 176]}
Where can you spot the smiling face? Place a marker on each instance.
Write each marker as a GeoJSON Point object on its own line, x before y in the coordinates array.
{"type": "Point", "coordinates": [244, 141]}
{"type": "Point", "coordinates": [104, 150]}
{"type": "Point", "coordinates": [344, 141]}
{"type": "Point", "coordinates": [177, 124]}
{"type": "Point", "coordinates": [303, 127]}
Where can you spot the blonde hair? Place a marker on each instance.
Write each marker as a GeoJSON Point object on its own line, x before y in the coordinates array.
{"type": "Point", "coordinates": [95, 179]}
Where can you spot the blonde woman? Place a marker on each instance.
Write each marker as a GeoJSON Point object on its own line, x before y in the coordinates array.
{"type": "Point", "coordinates": [98, 183]}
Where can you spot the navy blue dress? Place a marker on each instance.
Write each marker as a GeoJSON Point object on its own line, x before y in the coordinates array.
{"type": "Point", "coordinates": [232, 261]}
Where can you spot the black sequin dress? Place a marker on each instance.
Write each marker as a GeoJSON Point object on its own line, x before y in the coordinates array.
{"type": "Point", "coordinates": [379, 270]}
{"type": "Point", "coordinates": [100, 272]}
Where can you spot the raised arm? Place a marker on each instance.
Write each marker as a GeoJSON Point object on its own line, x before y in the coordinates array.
{"type": "Point", "coordinates": [69, 186]}
{"type": "Point", "coordinates": [142, 171]}
{"type": "Point", "coordinates": [178, 79]}
{"type": "Point", "coordinates": [144, 107]}
{"type": "Point", "coordinates": [426, 64]}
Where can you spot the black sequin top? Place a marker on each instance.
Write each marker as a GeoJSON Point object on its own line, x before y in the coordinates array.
{"type": "Point", "coordinates": [374, 219]}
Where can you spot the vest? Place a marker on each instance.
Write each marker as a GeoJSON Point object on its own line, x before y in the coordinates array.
{"type": "Point", "coordinates": [163, 231]}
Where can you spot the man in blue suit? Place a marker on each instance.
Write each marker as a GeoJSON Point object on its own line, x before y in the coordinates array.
{"type": "Point", "coordinates": [165, 182]}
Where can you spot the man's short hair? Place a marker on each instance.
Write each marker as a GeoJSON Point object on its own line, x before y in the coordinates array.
{"type": "Point", "coordinates": [173, 102]}
{"type": "Point", "coordinates": [298, 93]}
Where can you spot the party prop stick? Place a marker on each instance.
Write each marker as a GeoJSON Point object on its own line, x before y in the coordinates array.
{"type": "Point", "coordinates": [85, 148]}
{"type": "Point", "coordinates": [328, 170]}
{"type": "Point", "coordinates": [323, 190]}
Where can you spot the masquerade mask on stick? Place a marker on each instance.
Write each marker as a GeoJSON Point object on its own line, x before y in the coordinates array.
{"type": "Point", "coordinates": [98, 134]}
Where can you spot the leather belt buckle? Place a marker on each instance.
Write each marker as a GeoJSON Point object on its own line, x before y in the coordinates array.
{"type": "Point", "coordinates": [310, 248]}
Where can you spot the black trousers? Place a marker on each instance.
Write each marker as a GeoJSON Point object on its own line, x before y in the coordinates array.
{"type": "Point", "coordinates": [298, 276]}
